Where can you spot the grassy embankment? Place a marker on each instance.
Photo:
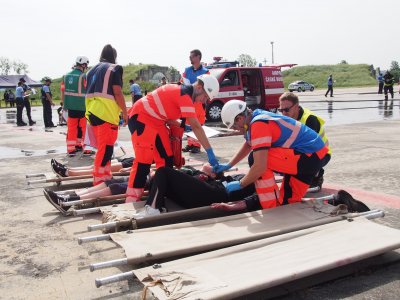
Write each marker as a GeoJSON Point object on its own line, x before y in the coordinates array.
{"type": "Point", "coordinates": [345, 75]}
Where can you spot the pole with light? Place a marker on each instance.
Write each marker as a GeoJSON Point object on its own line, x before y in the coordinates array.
{"type": "Point", "coordinates": [272, 45]}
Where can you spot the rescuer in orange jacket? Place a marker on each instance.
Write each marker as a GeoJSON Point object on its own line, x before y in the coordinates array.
{"type": "Point", "coordinates": [104, 102]}
{"type": "Point", "coordinates": [150, 136]}
{"type": "Point", "coordinates": [279, 144]}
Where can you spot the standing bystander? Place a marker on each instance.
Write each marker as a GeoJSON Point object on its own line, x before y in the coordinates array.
{"type": "Point", "coordinates": [27, 89]}
{"type": "Point", "coordinates": [136, 91]}
{"type": "Point", "coordinates": [380, 83]}
{"type": "Point", "coordinates": [47, 102]}
{"type": "Point", "coordinates": [189, 77]}
{"type": "Point", "coordinates": [330, 86]}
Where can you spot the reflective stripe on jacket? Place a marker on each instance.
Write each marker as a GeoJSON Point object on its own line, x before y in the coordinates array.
{"type": "Point", "coordinates": [294, 135]}
{"type": "Point", "coordinates": [100, 100]}
{"type": "Point", "coordinates": [75, 90]}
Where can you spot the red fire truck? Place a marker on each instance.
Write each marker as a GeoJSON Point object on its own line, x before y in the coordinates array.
{"type": "Point", "coordinates": [260, 87]}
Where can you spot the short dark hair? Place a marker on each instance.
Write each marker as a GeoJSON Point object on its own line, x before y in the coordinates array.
{"type": "Point", "coordinates": [289, 96]}
{"type": "Point", "coordinates": [108, 54]}
{"type": "Point", "coordinates": [196, 52]}
{"type": "Point", "coordinates": [131, 81]}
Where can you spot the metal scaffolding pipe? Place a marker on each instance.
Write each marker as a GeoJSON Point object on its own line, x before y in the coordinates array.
{"type": "Point", "coordinates": [86, 211]}
{"type": "Point", "coordinates": [114, 278]}
{"type": "Point", "coordinates": [108, 264]}
{"type": "Point", "coordinates": [94, 238]}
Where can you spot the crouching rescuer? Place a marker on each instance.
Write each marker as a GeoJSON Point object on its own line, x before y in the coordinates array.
{"type": "Point", "coordinates": [279, 144]}
{"type": "Point", "coordinates": [148, 120]}
{"type": "Point", "coordinates": [104, 102]}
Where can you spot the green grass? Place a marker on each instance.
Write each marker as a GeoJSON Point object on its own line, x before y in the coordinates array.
{"type": "Point", "coordinates": [345, 75]}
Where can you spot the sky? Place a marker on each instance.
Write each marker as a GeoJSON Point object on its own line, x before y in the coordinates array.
{"type": "Point", "coordinates": [49, 34]}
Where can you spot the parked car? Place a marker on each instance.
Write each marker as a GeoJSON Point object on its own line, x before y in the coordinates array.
{"type": "Point", "coordinates": [300, 86]}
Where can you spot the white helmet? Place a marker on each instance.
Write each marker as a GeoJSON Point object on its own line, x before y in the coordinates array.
{"type": "Point", "coordinates": [230, 110]}
{"type": "Point", "coordinates": [211, 85]}
{"type": "Point", "coordinates": [80, 60]}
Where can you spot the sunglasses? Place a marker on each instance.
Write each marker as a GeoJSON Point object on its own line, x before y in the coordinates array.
{"type": "Point", "coordinates": [286, 109]}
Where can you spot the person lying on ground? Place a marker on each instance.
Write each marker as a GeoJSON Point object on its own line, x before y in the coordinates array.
{"type": "Point", "coordinates": [190, 188]}
{"type": "Point", "coordinates": [187, 187]}
{"type": "Point", "coordinates": [62, 170]}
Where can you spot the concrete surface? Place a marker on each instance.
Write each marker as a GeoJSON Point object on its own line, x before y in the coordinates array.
{"type": "Point", "coordinates": [41, 259]}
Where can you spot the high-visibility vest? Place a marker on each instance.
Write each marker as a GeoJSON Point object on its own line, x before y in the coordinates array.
{"type": "Point", "coordinates": [75, 90]}
{"type": "Point", "coordinates": [294, 135]}
{"type": "Point", "coordinates": [321, 132]}
{"type": "Point", "coordinates": [100, 100]}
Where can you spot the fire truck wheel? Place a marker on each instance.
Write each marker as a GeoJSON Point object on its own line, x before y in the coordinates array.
{"type": "Point", "coordinates": [214, 111]}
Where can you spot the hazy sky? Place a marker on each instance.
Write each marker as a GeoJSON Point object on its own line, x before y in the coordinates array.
{"type": "Point", "coordinates": [48, 34]}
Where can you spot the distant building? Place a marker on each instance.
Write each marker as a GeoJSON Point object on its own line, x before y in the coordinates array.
{"type": "Point", "coordinates": [154, 74]}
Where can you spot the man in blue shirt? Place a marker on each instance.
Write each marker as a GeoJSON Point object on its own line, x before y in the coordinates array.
{"type": "Point", "coordinates": [330, 86]}
{"type": "Point", "coordinates": [19, 93]}
{"type": "Point", "coordinates": [25, 102]}
{"type": "Point", "coordinates": [380, 82]}
{"type": "Point", "coordinates": [47, 101]}
{"type": "Point", "coordinates": [136, 92]}
{"type": "Point", "coordinates": [189, 77]}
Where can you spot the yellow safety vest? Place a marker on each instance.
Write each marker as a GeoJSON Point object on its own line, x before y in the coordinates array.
{"type": "Point", "coordinates": [98, 102]}
{"type": "Point", "coordinates": [303, 119]}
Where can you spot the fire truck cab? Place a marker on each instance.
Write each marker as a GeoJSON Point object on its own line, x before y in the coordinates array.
{"type": "Point", "coordinates": [259, 87]}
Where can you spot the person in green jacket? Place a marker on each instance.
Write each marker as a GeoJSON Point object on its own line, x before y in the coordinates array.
{"type": "Point", "coordinates": [73, 91]}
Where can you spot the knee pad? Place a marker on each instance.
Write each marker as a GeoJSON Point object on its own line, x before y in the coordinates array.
{"type": "Point", "coordinates": [141, 175]}
{"type": "Point", "coordinates": [107, 155]}
{"type": "Point", "coordinates": [169, 162]}
{"type": "Point", "coordinates": [135, 125]}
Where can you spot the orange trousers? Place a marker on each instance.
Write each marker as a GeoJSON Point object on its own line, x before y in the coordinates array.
{"type": "Point", "coordinates": [299, 170]}
{"type": "Point", "coordinates": [151, 144]}
{"type": "Point", "coordinates": [106, 135]}
{"type": "Point", "coordinates": [76, 133]}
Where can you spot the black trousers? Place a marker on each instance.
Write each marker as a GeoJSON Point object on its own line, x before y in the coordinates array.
{"type": "Point", "coordinates": [47, 113]}
{"type": "Point", "coordinates": [380, 87]}
{"type": "Point", "coordinates": [185, 190]}
{"type": "Point", "coordinates": [330, 89]}
{"type": "Point", "coordinates": [388, 89]}
{"type": "Point", "coordinates": [20, 108]}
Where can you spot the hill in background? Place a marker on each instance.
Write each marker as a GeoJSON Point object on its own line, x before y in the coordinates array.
{"type": "Point", "coordinates": [345, 75]}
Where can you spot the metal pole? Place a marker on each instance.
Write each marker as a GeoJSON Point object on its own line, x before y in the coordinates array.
{"type": "Point", "coordinates": [109, 225]}
{"type": "Point", "coordinates": [95, 238]}
{"type": "Point", "coordinates": [114, 278]}
{"type": "Point", "coordinates": [91, 200]}
{"type": "Point", "coordinates": [81, 212]}
{"type": "Point", "coordinates": [108, 264]}
{"type": "Point", "coordinates": [272, 44]}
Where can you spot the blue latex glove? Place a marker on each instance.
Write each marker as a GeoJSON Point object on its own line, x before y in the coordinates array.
{"type": "Point", "coordinates": [233, 186]}
{"type": "Point", "coordinates": [221, 168]}
{"type": "Point", "coordinates": [211, 157]}
{"type": "Point", "coordinates": [188, 128]}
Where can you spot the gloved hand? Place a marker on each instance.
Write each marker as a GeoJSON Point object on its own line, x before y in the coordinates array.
{"type": "Point", "coordinates": [211, 157]}
{"type": "Point", "coordinates": [221, 168]}
{"type": "Point", "coordinates": [233, 186]}
{"type": "Point", "coordinates": [188, 128]}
